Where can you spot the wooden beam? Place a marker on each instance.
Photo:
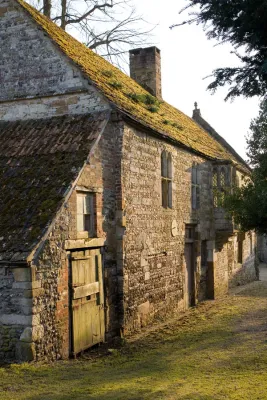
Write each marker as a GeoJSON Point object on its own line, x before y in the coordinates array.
{"type": "Point", "coordinates": [86, 290]}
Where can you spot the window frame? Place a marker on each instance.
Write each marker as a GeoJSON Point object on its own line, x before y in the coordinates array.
{"type": "Point", "coordinates": [85, 214]}
{"type": "Point", "coordinates": [195, 188]}
{"type": "Point", "coordinates": [166, 179]}
{"type": "Point", "coordinates": [220, 183]}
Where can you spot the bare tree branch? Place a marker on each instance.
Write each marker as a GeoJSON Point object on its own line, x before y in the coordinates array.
{"type": "Point", "coordinates": [109, 27]}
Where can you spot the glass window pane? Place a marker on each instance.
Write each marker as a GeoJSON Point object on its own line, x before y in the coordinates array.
{"type": "Point", "coordinates": [223, 177]}
{"type": "Point", "coordinates": [194, 198]}
{"type": "Point", "coordinates": [164, 186]}
{"type": "Point", "coordinates": [214, 178]}
{"type": "Point", "coordinates": [197, 197]}
{"type": "Point", "coordinates": [87, 222]}
{"type": "Point", "coordinates": [164, 164]}
{"type": "Point", "coordinates": [170, 194]}
{"type": "Point", "coordinates": [194, 174]}
{"type": "Point", "coordinates": [169, 166]}
{"type": "Point", "coordinates": [88, 204]}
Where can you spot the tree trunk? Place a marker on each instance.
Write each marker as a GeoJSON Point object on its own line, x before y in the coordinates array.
{"type": "Point", "coordinates": [47, 8]}
{"type": "Point", "coordinates": [63, 13]}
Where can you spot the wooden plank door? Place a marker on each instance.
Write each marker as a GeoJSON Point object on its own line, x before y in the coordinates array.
{"type": "Point", "coordinates": [87, 302]}
{"type": "Point", "coordinates": [190, 274]}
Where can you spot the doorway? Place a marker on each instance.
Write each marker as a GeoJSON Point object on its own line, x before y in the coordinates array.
{"type": "Point", "coordinates": [87, 300]}
{"type": "Point", "coordinates": [190, 272]}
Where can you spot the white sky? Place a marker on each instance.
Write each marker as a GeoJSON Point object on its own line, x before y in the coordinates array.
{"type": "Point", "coordinates": [187, 57]}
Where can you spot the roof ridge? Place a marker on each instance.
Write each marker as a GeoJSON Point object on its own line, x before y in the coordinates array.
{"type": "Point", "coordinates": [128, 96]}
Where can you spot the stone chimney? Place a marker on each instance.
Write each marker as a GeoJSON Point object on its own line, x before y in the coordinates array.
{"type": "Point", "coordinates": [196, 112]}
{"type": "Point", "coordinates": [145, 69]}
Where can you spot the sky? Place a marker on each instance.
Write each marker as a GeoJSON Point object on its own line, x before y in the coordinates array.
{"type": "Point", "coordinates": [187, 57]}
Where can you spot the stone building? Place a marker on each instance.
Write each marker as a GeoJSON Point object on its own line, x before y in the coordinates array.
{"type": "Point", "coordinates": [110, 201]}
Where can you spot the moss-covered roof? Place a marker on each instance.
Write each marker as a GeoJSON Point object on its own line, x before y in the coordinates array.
{"type": "Point", "coordinates": [130, 97]}
{"type": "Point", "coordinates": [39, 161]}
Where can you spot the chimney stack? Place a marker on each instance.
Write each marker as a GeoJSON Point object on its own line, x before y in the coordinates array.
{"type": "Point", "coordinates": [145, 69]}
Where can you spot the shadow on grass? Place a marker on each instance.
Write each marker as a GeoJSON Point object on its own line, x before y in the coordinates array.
{"type": "Point", "coordinates": [254, 289]}
{"type": "Point", "coordinates": [129, 395]}
{"type": "Point", "coordinates": [176, 362]}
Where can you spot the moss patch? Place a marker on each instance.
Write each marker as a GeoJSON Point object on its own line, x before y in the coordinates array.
{"type": "Point", "coordinates": [99, 71]}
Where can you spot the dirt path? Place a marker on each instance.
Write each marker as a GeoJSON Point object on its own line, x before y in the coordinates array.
{"type": "Point", "coordinates": [215, 351]}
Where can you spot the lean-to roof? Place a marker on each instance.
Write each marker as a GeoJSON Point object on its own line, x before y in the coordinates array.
{"type": "Point", "coordinates": [129, 97]}
{"type": "Point", "coordinates": [39, 162]}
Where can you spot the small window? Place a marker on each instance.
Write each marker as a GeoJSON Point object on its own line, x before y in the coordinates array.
{"type": "Point", "coordinates": [219, 185]}
{"type": "Point", "coordinates": [195, 188]}
{"type": "Point", "coordinates": [215, 187]}
{"type": "Point", "coordinates": [166, 179]}
{"type": "Point", "coordinates": [85, 213]}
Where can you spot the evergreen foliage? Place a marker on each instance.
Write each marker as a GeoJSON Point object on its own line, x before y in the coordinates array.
{"type": "Point", "coordinates": [243, 24]}
{"type": "Point", "coordinates": [248, 204]}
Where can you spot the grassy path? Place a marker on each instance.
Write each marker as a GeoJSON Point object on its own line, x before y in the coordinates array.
{"type": "Point", "coordinates": [216, 351]}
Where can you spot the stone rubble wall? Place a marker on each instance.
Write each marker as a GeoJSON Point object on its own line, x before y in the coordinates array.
{"type": "Point", "coordinates": [37, 80]}
{"type": "Point", "coordinates": [248, 271]}
{"type": "Point", "coordinates": [48, 107]}
{"type": "Point", "coordinates": [34, 302]}
{"type": "Point", "coordinates": [31, 65]}
{"type": "Point", "coordinates": [154, 239]}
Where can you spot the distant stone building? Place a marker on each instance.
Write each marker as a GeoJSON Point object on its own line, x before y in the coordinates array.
{"type": "Point", "coordinates": [110, 201]}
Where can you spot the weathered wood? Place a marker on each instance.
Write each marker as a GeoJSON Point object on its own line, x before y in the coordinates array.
{"type": "Point", "coordinates": [88, 326]}
{"type": "Point", "coordinates": [86, 290]}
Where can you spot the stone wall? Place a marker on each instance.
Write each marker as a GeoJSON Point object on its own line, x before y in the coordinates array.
{"type": "Point", "coordinates": [154, 239]}
{"type": "Point", "coordinates": [34, 306]}
{"type": "Point", "coordinates": [10, 331]}
{"type": "Point", "coordinates": [248, 270]}
{"type": "Point", "coordinates": [30, 64]}
{"type": "Point", "coordinates": [47, 107]}
{"type": "Point", "coordinates": [37, 80]}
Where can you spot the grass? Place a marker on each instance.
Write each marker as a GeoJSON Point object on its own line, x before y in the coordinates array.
{"type": "Point", "coordinates": [215, 351]}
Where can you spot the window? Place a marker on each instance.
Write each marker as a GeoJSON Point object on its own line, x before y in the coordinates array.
{"type": "Point", "coordinates": [166, 179]}
{"type": "Point", "coordinates": [219, 185]}
{"type": "Point", "coordinates": [195, 188]}
{"type": "Point", "coordinates": [85, 213]}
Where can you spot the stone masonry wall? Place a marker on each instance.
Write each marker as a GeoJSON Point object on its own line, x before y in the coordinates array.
{"type": "Point", "coordinates": [34, 313]}
{"type": "Point", "coordinates": [36, 79]}
{"type": "Point", "coordinates": [104, 175]}
{"type": "Point", "coordinates": [247, 271]}
{"type": "Point", "coordinates": [154, 239]}
{"type": "Point", "coordinates": [18, 318]}
{"type": "Point", "coordinates": [30, 65]}
{"type": "Point", "coordinates": [47, 107]}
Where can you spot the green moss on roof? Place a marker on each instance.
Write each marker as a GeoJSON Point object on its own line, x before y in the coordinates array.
{"type": "Point", "coordinates": [101, 72]}
{"type": "Point", "coordinates": [37, 168]}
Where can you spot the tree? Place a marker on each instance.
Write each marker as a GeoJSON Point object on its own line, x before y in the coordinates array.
{"type": "Point", "coordinates": [109, 27]}
{"type": "Point", "coordinates": [243, 24]}
{"type": "Point", "coordinates": [248, 204]}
